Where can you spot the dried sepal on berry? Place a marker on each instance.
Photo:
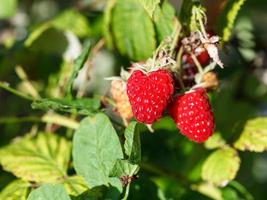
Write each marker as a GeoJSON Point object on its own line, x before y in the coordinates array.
{"type": "Point", "coordinates": [210, 81]}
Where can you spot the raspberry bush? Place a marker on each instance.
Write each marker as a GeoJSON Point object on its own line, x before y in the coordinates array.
{"type": "Point", "coordinates": [132, 99]}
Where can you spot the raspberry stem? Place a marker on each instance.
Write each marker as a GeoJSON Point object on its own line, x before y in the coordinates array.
{"type": "Point", "coordinates": [178, 66]}
{"type": "Point", "coordinates": [199, 67]}
{"type": "Point", "coordinates": [175, 35]}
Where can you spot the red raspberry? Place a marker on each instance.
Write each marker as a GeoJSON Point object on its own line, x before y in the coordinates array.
{"type": "Point", "coordinates": [193, 116]}
{"type": "Point", "coordinates": [202, 57]}
{"type": "Point", "coordinates": [149, 94]}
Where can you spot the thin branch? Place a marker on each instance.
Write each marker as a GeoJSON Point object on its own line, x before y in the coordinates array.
{"type": "Point", "coordinates": [6, 87]}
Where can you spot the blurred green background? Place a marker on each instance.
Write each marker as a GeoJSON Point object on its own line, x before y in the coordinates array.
{"type": "Point", "coordinates": [39, 39]}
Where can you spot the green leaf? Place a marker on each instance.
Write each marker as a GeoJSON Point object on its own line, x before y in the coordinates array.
{"type": "Point", "coordinates": [227, 18]}
{"type": "Point", "coordinates": [221, 166]}
{"type": "Point", "coordinates": [163, 18]}
{"type": "Point", "coordinates": [63, 22]}
{"type": "Point", "coordinates": [78, 64]}
{"type": "Point", "coordinates": [208, 190]}
{"type": "Point", "coordinates": [49, 191]}
{"type": "Point", "coordinates": [41, 159]}
{"type": "Point", "coordinates": [254, 136]}
{"type": "Point", "coordinates": [136, 39]}
{"type": "Point", "coordinates": [83, 106]}
{"type": "Point", "coordinates": [7, 8]}
{"type": "Point", "coordinates": [107, 23]}
{"type": "Point", "coordinates": [235, 190]}
{"type": "Point", "coordinates": [75, 185]}
{"type": "Point", "coordinates": [124, 168]}
{"type": "Point", "coordinates": [185, 15]}
{"type": "Point", "coordinates": [96, 147]}
{"type": "Point", "coordinates": [132, 143]}
{"type": "Point", "coordinates": [80, 26]}
{"type": "Point", "coordinates": [149, 5]}
{"type": "Point", "coordinates": [16, 190]}
{"type": "Point", "coordinates": [215, 141]}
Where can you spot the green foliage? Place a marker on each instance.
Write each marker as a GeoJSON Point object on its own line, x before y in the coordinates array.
{"type": "Point", "coordinates": [227, 18]}
{"type": "Point", "coordinates": [215, 141]}
{"type": "Point", "coordinates": [107, 23]}
{"type": "Point", "coordinates": [123, 168]}
{"type": "Point", "coordinates": [42, 159]}
{"type": "Point", "coordinates": [84, 106]}
{"type": "Point", "coordinates": [80, 26]}
{"type": "Point", "coordinates": [107, 161]}
{"type": "Point", "coordinates": [141, 44]}
{"type": "Point", "coordinates": [221, 166]}
{"type": "Point", "coordinates": [96, 148]}
{"type": "Point", "coordinates": [132, 143]}
{"type": "Point", "coordinates": [163, 18]}
{"type": "Point", "coordinates": [235, 191]}
{"type": "Point", "coordinates": [16, 190]}
{"type": "Point", "coordinates": [63, 22]}
{"type": "Point", "coordinates": [75, 185]}
{"type": "Point", "coordinates": [49, 191]}
{"type": "Point", "coordinates": [254, 136]}
{"type": "Point", "coordinates": [78, 64]}
{"type": "Point", "coordinates": [7, 8]}
{"type": "Point", "coordinates": [150, 5]}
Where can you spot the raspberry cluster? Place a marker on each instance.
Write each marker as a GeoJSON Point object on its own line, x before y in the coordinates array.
{"type": "Point", "coordinates": [155, 86]}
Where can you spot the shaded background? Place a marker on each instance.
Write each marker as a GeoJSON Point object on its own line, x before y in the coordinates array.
{"type": "Point", "coordinates": [46, 61]}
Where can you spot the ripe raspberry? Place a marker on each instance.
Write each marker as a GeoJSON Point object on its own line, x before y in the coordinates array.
{"type": "Point", "coordinates": [193, 116]}
{"type": "Point", "coordinates": [189, 69]}
{"type": "Point", "coordinates": [149, 94]}
{"type": "Point", "coordinates": [202, 57]}
{"type": "Point", "coordinates": [123, 107]}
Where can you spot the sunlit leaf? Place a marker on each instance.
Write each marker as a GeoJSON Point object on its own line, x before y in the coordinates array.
{"type": "Point", "coordinates": [215, 141]}
{"type": "Point", "coordinates": [221, 166]}
{"type": "Point", "coordinates": [42, 159]}
{"type": "Point", "coordinates": [16, 190]}
{"type": "Point", "coordinates": [227, 18]}
{"type": "Point", "coordinates": [75, 185]}
{"type": "Point", "coordinates": [254, 136]}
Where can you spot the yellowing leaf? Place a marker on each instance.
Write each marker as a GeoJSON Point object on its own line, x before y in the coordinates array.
{"type": "Point", "coordinates": [16, 190]}
{"type": "Point", "coordinates": [42, 159]}
{"type": "Point", "coordinates": [221, 166]}
{"type": "Point", "coordinates": [254, 136]}
{"type": "Point", "coordinates": [75, 185]}
{"type": "Point", "coordinates": [227, 18]}
{"type": "Point", "coordinates": [215, 141]}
